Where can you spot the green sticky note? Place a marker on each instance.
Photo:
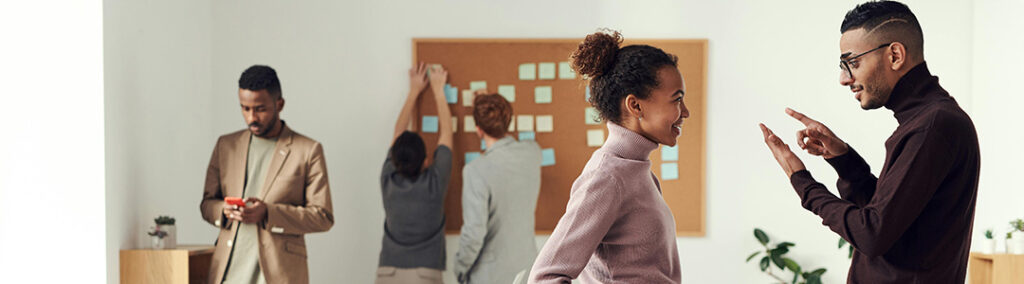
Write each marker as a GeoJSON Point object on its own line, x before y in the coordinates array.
{"type": "Point", "coordinates": [592, 116]}
{"type": "Point", "coordinates": [477, 85]}
{"type": "Point", "coordinates": [669, 171]}
{"type": "Point", "coordinates": [547, 157]}
{"type": "Point", "coordinates": [527, 71]}
{"type": "Point", "coordinates": [429, 124]}
{"type": "Point", "coordinates": [508, 91]}
{"type": "Point", "coordinates": [565, 71]}
{"type": "Point", "coordinates": [527, 135]}
{"type": "Point", "coordinates": [546, 71]}
{"type": "Point", "coordinates": [670, 153]}
{"type": "Point", "coordinates": [542, 94]}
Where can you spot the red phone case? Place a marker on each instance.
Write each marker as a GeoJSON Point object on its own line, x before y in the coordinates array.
{"type": "Point", "coordinates": [235, 201]}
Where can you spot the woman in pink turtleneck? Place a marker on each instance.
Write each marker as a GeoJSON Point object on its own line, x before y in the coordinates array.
{"type": "Point", "coordinates": [616, 227]}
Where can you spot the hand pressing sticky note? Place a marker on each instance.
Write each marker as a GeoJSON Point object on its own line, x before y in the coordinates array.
{"type": "Point", "coordinates": [545, 123]}
{"type": "Point", "coordinates": [591, 116]}
{"type": "Point", "coordinates": [508, 91]}
{"type": "Point", "coordinates": [595, 137]}
{"type": "Point", "coordinates": [429, 124]}
{"type": "Point", "coordinates": [547, 157]}
{"type": "Point", "coordinates": [670, 153]}
{"type": "Point", "coordinates": [451, 93]}
{"type": "Point", "coordinates": [527, 71]}
{"type": "Point", "coordinates": [546, 71]}
{"type": "Point", "coordinates": [467, 98]}
{"type": "Point", "coordinates": [469, 124]}
{"type": "Point", "coordinates": [542, 94]}
{"type": "Point", "coordinates": [565, 71]}
{"type": "Point", "coordinates": [669, 171]}
{"type": "Point", "coordinates": [525, 122]}
{"type": "Point", "coordinates": [527, 135]}
{"type": "Point", "coordinates": [470, 156]}
{"type": "Point", "coordinates": [477, 85]}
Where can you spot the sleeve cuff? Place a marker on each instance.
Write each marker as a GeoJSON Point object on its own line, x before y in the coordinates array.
{"type": "Point", "coordinates": [801, 181]}
{"type": "Point", "coordinates": [849, 165]}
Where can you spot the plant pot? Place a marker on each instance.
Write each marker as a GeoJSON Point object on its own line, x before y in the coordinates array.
{"type": "Point", "coordinates": [171, 240]}
{"type": "Point", "coordinates": [156, 242]}
{"type": "Point", "coordinates": [988, 246]}
{"type": "Point", "coordinates": [1015, 245]}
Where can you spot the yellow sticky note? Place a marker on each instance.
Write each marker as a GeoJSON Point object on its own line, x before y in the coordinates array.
{"type": "Point", "coordinates": [527, 71]}
{"type": "Point", "coordinates": [565, 71]}
{"type": "Point", "coordinates": [469, 124]}
{"type": "Point", "coordinates": [467, 98]}
{"type": "Point", "coordinates": [525, 122]}
{"type": "Point", "coordinates": [591, 116]}
{"type": "Point", "coordinates": [545, 123]}
{"type": "Point", "coordinates": [508, 91]}
{"type": "Point", "coordinates": [542, 94]}
{"type": "Point", "coordinates": [595, 137]}
{"type": "Point", "coordinates": [477, 85]}
{"type": "Point", "coordinates": [546, 70]}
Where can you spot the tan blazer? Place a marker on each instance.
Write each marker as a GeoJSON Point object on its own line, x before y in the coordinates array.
{"type": "Point", "coordinates": [298, 201]}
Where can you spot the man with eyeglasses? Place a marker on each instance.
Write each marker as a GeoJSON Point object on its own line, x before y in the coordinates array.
{"type": "Point", "coordinates": [911, 223]}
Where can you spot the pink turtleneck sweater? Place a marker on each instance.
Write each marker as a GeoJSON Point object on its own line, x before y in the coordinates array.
{"type": "Point", "coordinates": [616, 227]}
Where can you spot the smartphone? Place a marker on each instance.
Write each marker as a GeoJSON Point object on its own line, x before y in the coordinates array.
{"type": "Point", "coordinates": [235, 201]}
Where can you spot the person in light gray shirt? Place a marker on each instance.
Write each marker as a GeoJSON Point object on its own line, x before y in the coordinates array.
{"type": "Point", "coordinates": [499, 197]}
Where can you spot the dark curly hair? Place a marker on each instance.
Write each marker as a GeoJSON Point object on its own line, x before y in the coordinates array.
{"type": "Point", "coordinates": [615, 73]}
{"type": "Point", "coordinates": [492, 114]}
{"type": "Point", "coordinates": [407, 154]}
{"type": "Point", "coordinates": [261, 77]}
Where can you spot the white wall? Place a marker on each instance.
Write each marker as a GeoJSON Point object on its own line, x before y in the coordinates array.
{"type": "Point", "coordinates": [51, 145]}
{"type": "Point", "coordinates": [171, 92]}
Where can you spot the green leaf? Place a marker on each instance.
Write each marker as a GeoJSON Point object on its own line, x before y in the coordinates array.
{"type": "Point", "coordinates": [813, 280]}
{"type": "Point", "coordinates": [777, 259]}
{"type": "Point", "coordinates": [791, 265]}
{"type": "Point", "coordinates": [818, 272]}
{"type": "Point", "coordinates": [764, 263]}
{"type": "Point", "coordinates": [851, 252]}
{"type": "Point", "coordinates": [753, 255]}
{"type": "Point", "coordinates": [761, 236]}
{"type": "Point", "coordinates": [842, 242]}
{"type": "Point", "coordinates": [781, 250]}
{"type": "Point", "coordinates": [785, 244]}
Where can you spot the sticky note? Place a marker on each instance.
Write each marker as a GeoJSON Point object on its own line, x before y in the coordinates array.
{"type": "Point", "coordinates": [547, 157]}
{"type": "Point", "coordinates": [669, 171]}
{"type": "Point", "coordinates": [542, 94]}
{"type": "Point", "coordinates": [470, 156]}
{"type": "Point", "coordinates": [527, 135]}
{"type": "Point", "coordinates": [455, 124]}
{"type": "Point", "coordinates": [587, 97]}
{"type": "Point", "coordinates": [508, 91]}
{"type": "Point", "coordinates": [512, 124]}
{"type": "Point", "coordinates": [545, 123]}
{"type": "Point", "coordinates": [451, 93]}
{"type": "Point", "coordinates": [469, 124]}
{"type": "Point", "coordinates": [565, 71]}
{"type": "Point", "coordinates": [432, 66]}
{"type": "Point", "coordinates": [595, 137]}
{"type": "Point", "coordinates": [546, 70]}
{"type": "Point", "coordinates": [525, 122]}
{"type": "Point", "coordinates": [429, 124]}
{"type": "Point", "coordinates": [483, 144]}
{"type": "Point", "coordinates": [467, 98]}
{"type": "Point", "coordinates": [478, 85]}
{"type": "Point", "coordinates": [592, 116]}
{"type": "Point", "coordinates": [527, 71]}
{"type": "Point", "coordinates": [670, 153]}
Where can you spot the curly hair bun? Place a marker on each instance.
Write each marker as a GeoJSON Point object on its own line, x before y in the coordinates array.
{"type": "Point", "coordinates": [596, 54]}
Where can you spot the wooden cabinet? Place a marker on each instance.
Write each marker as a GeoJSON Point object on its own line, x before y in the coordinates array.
{"type": "Point", "coordinates": [184, 264]}
{"type": "Point", "coordinates": [995, 268]}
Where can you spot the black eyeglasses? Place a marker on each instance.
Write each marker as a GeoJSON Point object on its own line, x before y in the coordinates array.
{"type": "Point", "coordinates": [844, 64]}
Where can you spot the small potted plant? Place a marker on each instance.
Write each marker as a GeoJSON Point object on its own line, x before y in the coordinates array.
{"type": "Point", "coordinates": [166, 224]}
{"type": "Point", "coordinates": [157, 236]}
{"type": "Point", "coordinates": [1009, 243]}
{"type": "Point", "coordinates": [1016, 236]}
{"type": "Point", "coordinates": [988, 245]}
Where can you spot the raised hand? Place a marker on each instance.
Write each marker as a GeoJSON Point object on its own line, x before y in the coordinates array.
{"type": "Point", "coordinates": [438, 77]}
{"type": "Point", "coordinates": [816, 138]}
{"type": "Point", "coordinates": [417, 79]}
{"type": "Point", "coordinates": [789, 162]}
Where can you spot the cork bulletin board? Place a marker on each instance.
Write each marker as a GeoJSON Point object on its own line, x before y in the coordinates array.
{"type": "Point", "coordinates": [533, 75]}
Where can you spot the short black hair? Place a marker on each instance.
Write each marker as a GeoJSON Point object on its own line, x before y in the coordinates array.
{"type": "Point", "coordinates": [407, 154]}
{"type": "Point", "coordinates": [889, 21]}
{"type": "Point", "coordinates": [615, 72]}
{"type": "Point", "coordinates": [261, 77]}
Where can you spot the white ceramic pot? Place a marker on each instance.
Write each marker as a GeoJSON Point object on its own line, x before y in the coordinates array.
{"type": "Point", "coordinates": [1015, 245]}
{"type": "Point", "coordinates": [157, 242]}
{"type": "Point", "coordinates": [171, 240]}
{"type": "Point", "coordinates": [988, 246]}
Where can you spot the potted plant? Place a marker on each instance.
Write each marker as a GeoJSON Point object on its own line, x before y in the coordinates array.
{"type": "Point", "coordinates": [1016, 236]}
{"type": "Point", "coordinates": [166, 224]}
{"type": "Point", "coordinates": [1009, 243]}
{"type": "Point", "coordinates": [157, 236]}
{"type": "Point", "coordinates": [776, 255]}
{"type": "Point", "coordinates": [988, 245]}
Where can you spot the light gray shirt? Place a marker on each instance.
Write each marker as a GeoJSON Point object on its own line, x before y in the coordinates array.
{"type": "Point", "coordinates": [244, 266]}
{"type": "Point", "coordinates": [499, 198]}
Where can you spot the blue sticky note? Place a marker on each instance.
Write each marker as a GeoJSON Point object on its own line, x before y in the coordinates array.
{"type": "Point", "coordinates": [669, 171]}
{"type": "Point", "coordinates": [429, 124]}
{"type": "Point", "coordinates": [483, 144]}
{"type": "Point", "coordinates": [451, 93]}
{"type": "Point", "coordinates": [527, 135]}
{"type": "Point", "coordinates": [470, 156]}
{"type": "Point", "coordinates": [547, 157]}
{"type": "Point", "coordinates": [588, 93]}
{"type": "Point", "coordinates": [670, 153]}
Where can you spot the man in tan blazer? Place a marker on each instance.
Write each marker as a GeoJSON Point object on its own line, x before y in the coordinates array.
{"type": "Point", "coordinates": [282, 177]}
